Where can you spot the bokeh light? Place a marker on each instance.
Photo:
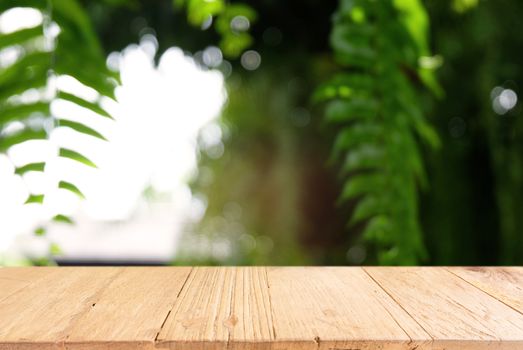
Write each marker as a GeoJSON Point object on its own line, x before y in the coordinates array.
{"type": "Point", "coordinates": [152, 147]}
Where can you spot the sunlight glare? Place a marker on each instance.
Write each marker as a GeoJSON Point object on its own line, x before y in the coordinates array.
{"type": "Point", "coordinates": [152, 144]}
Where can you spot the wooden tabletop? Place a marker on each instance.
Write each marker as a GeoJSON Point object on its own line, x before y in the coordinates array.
{"type": "Point", "coordinates": [261, 308]}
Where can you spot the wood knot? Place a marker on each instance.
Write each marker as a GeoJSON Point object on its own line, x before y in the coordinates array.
{"type": "Point", "coordinates": [231, 322]}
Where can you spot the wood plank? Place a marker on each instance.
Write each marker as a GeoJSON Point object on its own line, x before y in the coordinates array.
{"type": "Point", "coordinates": [456, 314]}
{"type": "Point", "coordinates": [257, 308]}
{"type": "Point", "coordinates": [251, 324]}
{"type": "Point", "coordinates": [13, 279]}
{"type": "Point", "coordinates": [337, 308]}
{"type": "Point", "coordinates": [40, 315]}
{"type": "Point", "coordinates": [503, 283]}
{"type": "Point", "coordinates": [130, 312]}
{"type": "Point", "coordinates": [221, 308]}
{"type": "Point", "coordinates": [202, 314]}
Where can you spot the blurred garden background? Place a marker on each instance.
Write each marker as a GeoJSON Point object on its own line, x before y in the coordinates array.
{"type": "Point", "coordinates": [261, 132]}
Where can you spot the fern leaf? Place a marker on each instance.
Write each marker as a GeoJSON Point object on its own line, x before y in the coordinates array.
{"type": "Point", "coordinates": [35, 198]}
{"type": "Point", "coordinates": [30, 167]}
{"type": "Point", "coordinates": [73, 155]}
{"type": "Point", "coordinates": [23, 111]}
{"type": "Point", "coordinates": [22, 136]}
{"type": "Point", "coordinates": [71, 188]}
{"type": "Point", "coordinates": [346, 110]}
{"type": "Point", "coordinates": [83, 103]}
{"type": "Point", "coordinates": [20, 36]}
{"type": "Point", "coordinates": [377, 109]}
{"type": "Point", "coordinates": [80, 128]}
{"type": "Point", "coordinates": [362, 185]}
{"type": "Point", "coordinates": [64, 219]}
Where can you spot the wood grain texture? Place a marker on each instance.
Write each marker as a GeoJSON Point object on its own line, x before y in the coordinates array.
{"type": "Point", "coordinates": [337, 308]}
{"type": "Point", "coordinates": [503, 283]}
{"type": "Point", "coordinates": [252, 320]}
{"type": "Point", "coordinates": [131, 311]}
{"type": "Point", "coordinates": [259, 308]}
{"type": "Point", "coordinates": [456, 314]}
{"type": "Point", "coordinates": [41, 315]}
{"type": "Point", "coordinates": [221, 308]}
{"type": "Point", "coordinates": [15, 279]}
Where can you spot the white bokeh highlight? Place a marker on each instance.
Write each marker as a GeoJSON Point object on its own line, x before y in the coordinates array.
{"type": "Point", "coordinates": [159, 112]}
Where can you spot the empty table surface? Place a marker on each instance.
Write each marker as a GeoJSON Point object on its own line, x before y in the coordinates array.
{"type": "Point", "coordinates": [261, 308]}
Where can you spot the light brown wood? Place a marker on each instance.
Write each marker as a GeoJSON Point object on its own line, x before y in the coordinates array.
{"type": "Point", "coordinates": [456, 314]}
{"type": "Point", "coordinates": [504, 283]}
{"type": "Point", "coordinates": [337, 308]}
{"type": "Point", "coordinates": [41, 315]}
{"type": "Point", "coordinates": [220, 308]}
{"type": "Point", "coordinates": [15, 279]}
{"type": "Point", "coordinates": [131, 311]}
{"type": "Point", "coordinates": [251, 308]}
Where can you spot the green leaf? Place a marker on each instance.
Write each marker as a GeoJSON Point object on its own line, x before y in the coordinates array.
{"type": "Point", "coordinates": [198, 11]}
{"type": "Point", "coordinates": [40, 231]}
{"type": "Point", "coordinates": [35, 198]}
{"type": "Point", "coordinates": [352, 46]}
{"type": "Point", "coordinates": [34, 64]}
{"type": "Point", "coordinates": [358, 134]}
{"type": "Point", "coordinates": [63, 219]}
{"type": "Point", "coordinates": [80, 128]}
{"type": "Point", "coordinates": [324, 92]}
{"type": "Point", "coordinates": [429, 79]}
{"type": "Point", "coordinates": [70, 187]}
{"type": "Point", "coordinates": [43, 261]}
{"type": "Point", "coordinates": [38, 4]}
{"type": "Point", "coordinates": [381, 42]}
{"type": "Point", "coordinates": [346, 85]}
{"type": "Point", "coordinates": [83, 103]}
{"type": "Point", "coordinates": [223, 23]}
{"type": "Point", "coordinates": [55, 249]}
{"type": "Point", "coordinates": [67, 153]}
{"type": "Point", "coordinates": [93, 76]}
{"type": "Point", "coordinates": [20, 112]}
{"type": "Point", "coordinates": [462, 6]}
{"type": "Point", "coordinates": [416, 21]}
{"type": "Point", "coordinates": [234, 44]}
{"type": "Point", "coordinates": [358, 15]}
{"type": "Point", "coordinates": [347, 110]}
{"type": "Point", "coordinates": [378, 229]}
{"type": "Point", "coordinates": [428, 134]}
{"type": "Point", "coordinates": [368, 207]}
{"type": "Point", "coordinates": [347, 7]}
{"type": "Point", "coordinates": [357, 34]}
{"type": "Point", "coordinates": [20, 36]}
{"type": "Point", "coordinates": [30, 167]}
{"type": "Point", "coordinates": [21, 84]}
{"type": "Point", "coordinates": [22, 136]}
{"type": "Point", "coordinates": [365, 157]}
{"type": "Point", "coordinates": [70, 15]}
{"type": "Point", "coordinates": [363, 184]}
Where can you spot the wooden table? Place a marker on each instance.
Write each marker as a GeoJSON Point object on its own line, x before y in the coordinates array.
{"type": "Point", "coordinates": [261, 308]}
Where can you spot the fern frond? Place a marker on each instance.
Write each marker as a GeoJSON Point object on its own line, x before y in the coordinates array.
{"type": "Point", "coordinates": [376, 108]}
{"type": "Point", "coordinates": [75, 52]}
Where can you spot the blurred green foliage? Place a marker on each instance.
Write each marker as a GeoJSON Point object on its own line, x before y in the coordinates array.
{"type": "Point", "coordinates": [65, 43]}
{"type": "Point", "coordinates": [375, 106]}
{"type": "Point", "coordinates": [232, 22]}
{"type": "Point", "coordinates": [400, 102]}
{"type": "Point", "coordinates": [254, 190]}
